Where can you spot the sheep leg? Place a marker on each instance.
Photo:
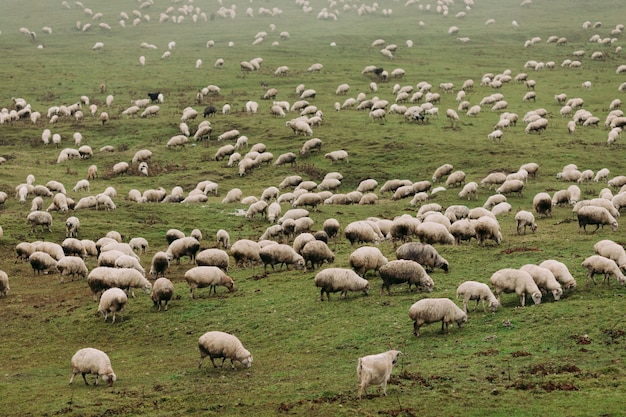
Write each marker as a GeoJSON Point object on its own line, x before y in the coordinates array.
{"type": "Point", "coordinates": [84, 378]}
{"type": "Point", "coordinates": [416, 329]}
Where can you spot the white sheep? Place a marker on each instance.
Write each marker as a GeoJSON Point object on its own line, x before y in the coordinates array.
{"type": "Point", "coordinates": [223, 345]}
{"type": "Point", "coordinates": [597, 264]}
{"type": "Point", "coordinates": [186, 246]}
{"type": "Point", "coordinates": [488, 228]}
{"type": "Point", "coordinates": [316, 252]}
{"type": "Point", "coordinates": [376, 370]}
{"type": "Point", "coordinates": [432, 310]}
{"type": "Point", "coordinates": [280, 254]}
{"type": "Point", "coordinates": [72, 224]}
{"type": "Point", "coordinates": [542, 203]}
{"type": "Point", "coordinates": [611, 250]}
{"type": "Point", "coordinates": [545, 279]}
{"type": "Point", "coordinates": [424, 254]}
{"type": "Point", "coordinates": [514, 280]}
{"type": "Point", "coordinates": [560, 272]}
{"type": "Point", "coordinates": [469, 190]}
{"type": "Point", "coordinates": [367, 258]}
{"type": "Point", "coordinates": [403, 270]}
{"type": "Point", "coordinates": [361, 232]}
{"type": "Point", "coordinates": [525, 218]}
{"type": "Point", "coordinates": [139, 244]}
{"type": "Point", "coordinates": [342, 280]}
{"type": "Point", "coordinates": [4, 284]}
{"type": "Point", "coordinates": [159, 265]}
{"type": "Point", "coordinates": [40, 218]}
{"type": "Point", "coordinates": [473, 290]}
{"type": "Point", "coordinates": [223, 239]}
{"type": "Point", "coordinates": [207, 276]}
{"type": "Point", "coordinates": [162, 290]}
{"type": "Point", "coordinates": [598, 216]}
{"type": "Point", "coordinates": [234, 195]}
{"type": "Point", "coordinates": [337, 156]}
{"type": "Point", "coordinates": [432, 232]}
{"type": "Point", "coordinates": [113, 300]}
{"type": "Point", "coordinates": [92, 361]}
{"type": "Point", "coordinates": [455, 179]}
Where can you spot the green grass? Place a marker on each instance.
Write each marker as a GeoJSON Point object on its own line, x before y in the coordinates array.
{"type": "Point", "coordinates": [564, 358]}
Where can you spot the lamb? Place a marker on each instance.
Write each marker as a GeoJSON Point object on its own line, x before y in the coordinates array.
{"type": "Point", "coordinates": [376, 370]}
{"type": "Point", "coordinates": [223, 345]}
{"type": "Point", "coordinates": [560, 272]}
{"type": "Point", "coordinates": [186, 246]}
{"type": "Point", "coordinates": [431, 232]}
{"type": "Point", "coordinates": [280, 254]}
{"type": "Point", "coordinates": [40, 218]}
{"type": "Point", "coordinates": [431, 310]}
{"type": "Point", "coordinates": [159, 265]}
{"type": "Point", "coordinates": [597, 264]}
{"type": "Point", "coordinates": [4, 284]}
{"type": "Point", "coordinates": [332, 280]}
{"type": "Point", "coordinates": [113, 301]}
{"type": "Point", "coordinates": [213, 257]}
{"type": "Point", "coordinates": [514, 280]}
{"type": "Point", "coordinates": [545, 280]}
{"type": "Point", "coordinates": [72, 265]}
{"type": "Point", "coordinates": [595, 215]}
{"type": "Point", "coordinates": [424, 254]}
{"type": "Point", "coordinates": [525, 218]}
{"type": "Point", "coordinates": [472, 290]}
{"type": "Point", "coordinates": [207, 276]}
{"type": "Point", "coordinates": [336, 156]}
{"type": "Point", "coordinates": [92, 361]}
{"type": "Point", "coordinates": [411, 272]}
{"type": "Point", "coordinates": [42, 262]}
{"type": "Point", "coordinates": [367, 258]}
{"type": "Point", "coordinates": [611, 250]}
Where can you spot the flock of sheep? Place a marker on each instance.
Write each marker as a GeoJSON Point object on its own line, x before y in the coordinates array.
{"type": "Point", "coordinates": [292, 238]}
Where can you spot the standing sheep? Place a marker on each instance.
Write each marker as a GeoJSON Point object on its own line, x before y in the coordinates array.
{"type": "Point", "coordinates": [525, 218]}
{"type": "Point", "coordinates": [339, 280]}
{"type": "Point", "coordinates": [595, 215]}
{"type": "Point", "coordinates": [213, 257]}
{"type": "Point", "coordinates": [402, 270]}
{"type": "Point", "coordinates": [112, 301]}
{"type": "Point", "coordinates": [280, 254]}
{"type": "Point", "coordinates": [432, 310]}
{"type": "Point", "coordinates": [217, 345]}
{"type": "Point", "coordinates": [366, 258]}
{"type": "Point", "coordinates": [4, 283]}
{"type": "Point", "coordinates": [159, 265]}
{"type": "Point", "coordinates": [611, 250]}
{"type": "Point", "coordinates": [92, 361]}
{"type": "Point", "coordinates": [207, 276]}
{"type": "Point", "coordinates": [472, 290]}
{"type": "Point", "coordinates": [376, 370]}
{"type": "Point", "coordinates": [40, 218]}
{"type": "Point", "coordinates": [162, 290]}
{"type": "Point", "coordinates": [316, 252]}
{"type": "Point", "coordinates": [560, 272]}
{"type": "Point", "coordinates": [72, 265]}
{"type": "Point", "coordinates": [186, 246]}
{"type": "Point", "coordinates": [424, 254]}
{"type": "Point", "coordinates": [487, 228]}
{"type": "Point", "coordinates": [545, 279]}
{"type": "Point", "coordinates": [597, 264]}
{"type": "Point", "coordinates": [514, 280]}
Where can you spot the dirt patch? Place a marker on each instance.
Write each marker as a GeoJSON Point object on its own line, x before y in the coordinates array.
{"type": "Point", "coordinates": [581, 339]}
{"type": "Point", "coordinates": [488, 352]}
{"type": "Point", "coordinates": [520, 353]}
{"type": "Point", "coordinates": [509, 251]}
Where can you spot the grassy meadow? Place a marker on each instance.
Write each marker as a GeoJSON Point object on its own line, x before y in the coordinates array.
{"type": "Point", "coordinates": [560, 358]}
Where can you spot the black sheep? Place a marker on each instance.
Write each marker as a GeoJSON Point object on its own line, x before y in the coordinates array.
{"type": "Point", "coordinates": [209, 111]}
{"type": "Point", "coordinates": [154, 96]}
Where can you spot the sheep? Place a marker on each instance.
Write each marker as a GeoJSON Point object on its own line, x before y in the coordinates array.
{"type": "Point", "coordinates": [342, 280]}
{"type": "Point", "coordinates": [331, 226]}
{"type": "Point", "coordinates": [402, 270]}
{"type": "Point", "coordinates": [259, 207]}
{"type": "Point", "coordinates": [113, 300]}
{"type": "Point", "coordinates": [367, 258]}
{"type": "Point", "coordinates": [213, 257]}
{"type": "Point", "coordinates": [431, 310]}
{"type": "Point", "coordinates": [162, 290]}
{"type": "Point", "coordinates": [159, 264]}
{"type": "Point", "coordinates": [455, 179]}
{"type": "Point", "coordinates": [186, 246]}
{"type": "Point", "coordinates": [207, 276]}
{"type": "Point", "coordinates": [4, 284]}
{"type": "Point", "coordinates": [139, 244]}
{"type": "Point", "coordinates": [560, 272]}
{"type": "Point", "coordinates": [223, 239]}
{"type": "Point", "coordinates": [172, 235]}
{"type": "Point", "coordinates": [424, 254]}
{"type": "Point", "coordinates": [126, 261]}
{"type": "Point", "coordinates": [280, 254]}
{"type": "Point", "coordinates": [316, 252]}
{"type": "Point", "coordinates": [72, 224]}
{"type": "Point", "coordinates": [42, 262]}
{"type": "Point", "coordinates": [433, 232]}
{"type": "Point", "coordinates": [469, 190]}
{"type": "Point", "coordinates": [72, 265]}
{"type": "Point", "coordinates": [487, 228]}
{"type": "Point", "coordinates": [361, 232]}
{"type": "Point", "coordinates": [92, 361]}
{"type": "Point", "coordinates": [314, 144]}
{"type": "Point", "coordinates": [514, 280]}
{"type": "Point", "coordinates": [73, 246]}
{"type": "Point", "coordinates": [376, 370]}
{"type": "Point", "coordinates": [525, 218]}
{"type": "Point", "coordinates": [545, 280]}
{"type": "Point", "coordinates": [599, 216]}
{"type": "Point", "coordinates": [472, 290]}
{"type": "Point", "coordinates": [285, 158]}
{"type": "Point", "coordinates": [245, 250]}
{"type": "Point", "coordinates": [337, 156]}
{"type": "Point", "coordinates": [40, 218]}
{"type": "Point", "coordinates": [611, 250]}
{"type": "Point", "coordinates": [542, 203]}
{"type": "Point", "coordinates": [597, 264]}
{"type": "Point", "coordinates": [234, 195]}
{"type": "Point", "coordinates": [120, 168]}
{"type": "Point", "coordinates": [223, 345]}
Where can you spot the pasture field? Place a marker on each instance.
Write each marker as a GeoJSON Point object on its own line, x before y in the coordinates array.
{"type": "Point", "coordinates": [560, 358]}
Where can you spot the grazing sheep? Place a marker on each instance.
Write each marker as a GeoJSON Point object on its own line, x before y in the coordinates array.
{"type": "Point", "coordinates": [280, 254]}
{"type": "Point", "coordinates": [514, 280]}
{"type": "Point", "coordinates": [411, 272]}
{"type": "Point", "coordinates": [525, 218]}
{"type": "Point", "coordinates": [213, 257]}
{"type": "Point", "coordinates": [487, 228]}
{"type": "Point", "coordinates": [207, 276]}
{"type": "Point", "coordinates": [342, 280]}
{"type": "Point", "coordinates": [40, 218]}
{"type": "Point", "coordinates": [4, 284]}
{"type": "Point", "coordinates": [72, 224]}
{"type": "Point", "coordinates": [511, 186]}
{"type": "Point", "coordinates": [159, 265]}
{"type": "Point", "coordinates": [560, 272]}
{"type": "Point", "coordinates": [245, 250]}
{"type": "Point", "coordinates": [595, 215]}
{"type": "Point", "coordinates": [455, 179]}
{"type": "Point", "coordinates": [336, 156]}
{"type": "Point", "coordinates": [361, 232]}
{"type": "Point", "coordinates": [469, 190]}
{"type": "Point", "coordinates": [545, 279]}
{"type": "Point", "coordinates": [611, 250]}
{"type": "Point", "coordinates": [367, 258]}
{"type": "Point", "coordinates": [72, 265]}
{"type": "Point", "coordinates": [376, 370]}
{"type": "Point", "coordinates": [42, 262]}
{"type": "Point", "coordinates": [162, 290]}
{"type": "Point", "coordinates": [139, 244]}
{"type": "Point", "coordinates": [331, 226]}
{"type": "Point", "coordinates": [223, 239]}
{"type": "Point", "coordinates": [92, 361]}
{"type": "Point", "coordinates": [597, 264]}
{"type": "Point", "coordinates": [113, 300]}
{"type": "Point", "coordinates": [186, 246]}
{"type": "Point", "coordinates": [542, 203]}
{"type": "Point", "coordinates": [432, 310]}
{"type": "Point", "coordinates": [472, 290]}
{"type": "Point", "coordinates": [316, 252]}
{"type": "Point", "coordinates": [217, 345]}
{"type": "Point", "coordinates": [424, 254]}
